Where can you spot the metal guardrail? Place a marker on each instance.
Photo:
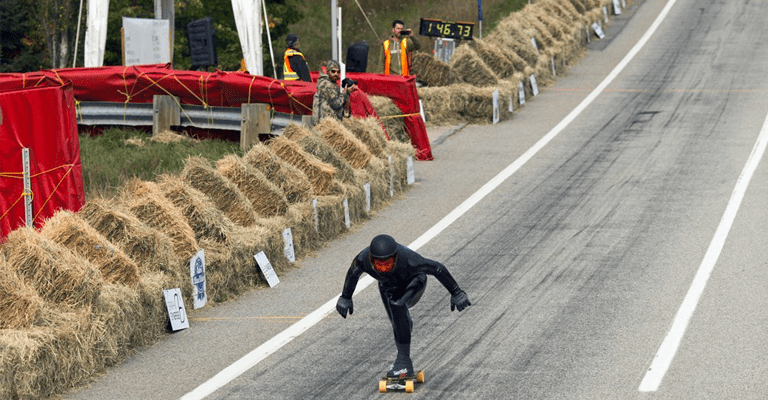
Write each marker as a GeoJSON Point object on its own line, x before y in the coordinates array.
{"type": "Point", "coordinates": [142, 114]}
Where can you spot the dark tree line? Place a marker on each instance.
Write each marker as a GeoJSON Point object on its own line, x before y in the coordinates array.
{"type": "Point", "coordinates": [40, 34]}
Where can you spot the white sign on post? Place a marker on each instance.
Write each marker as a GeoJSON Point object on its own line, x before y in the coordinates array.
{"type": "Point", "coordinates": [554, 71]}
{"type": "Point", "coordinates": [266, 269]}
{"type": "Point", "coordinates": [147, 41]}
{"type": "Point", "coordinates": [496, 110]}
{"type": "Point", "coordinates": [605, 13]}
{"type": "Point", "coordinates": [511, 103]}
{"type": "Point", "coordinates": [598, 30]}
{"type": "Point", "coordinates": [197, 272]}
{"type": "Point", "coordinates": [521, 93]}
{"type": "Point", "coordinates": [288, 245]}
{"type": "Point", "coordinates": [347, 221]}
{"type": "Point", "coordinates": [534, 85]}
{"type": "Point", "coordinates": [316, 215]}
{"type": "Point", "coordinates": [391, 178]}
{"type": "Point", "coordinates": [536, 47]}
{"type": "Point", "coordinates": [174, 303]}
{"type": "Point", "coordinates": [411, 176]}
{"type": "Point", "coordinates": [616, 7]}
{"type": "Point", "coordinates": [367, 190]}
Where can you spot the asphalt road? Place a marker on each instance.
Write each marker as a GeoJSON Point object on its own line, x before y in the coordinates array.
{"type": "Point", "coordinates": [576, 265]}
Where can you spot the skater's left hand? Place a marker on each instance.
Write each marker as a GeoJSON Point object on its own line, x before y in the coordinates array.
{"type": "Point", "coordinates": [460, 301]}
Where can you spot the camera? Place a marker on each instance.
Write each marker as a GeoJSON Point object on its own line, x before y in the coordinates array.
{"type": "Point", "coordinates": [348, 82]}
{"type": "Point", "coordinates": [405, 32]}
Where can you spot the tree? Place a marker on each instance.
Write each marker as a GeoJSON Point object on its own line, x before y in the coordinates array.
{"type": "Point", "coordinates": [21, 49]}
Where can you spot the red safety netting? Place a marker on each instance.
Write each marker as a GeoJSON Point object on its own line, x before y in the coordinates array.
{"type": "Point", "coordinates": [42, 120]}
{"type": "Point", "coordinates": [139, 84]}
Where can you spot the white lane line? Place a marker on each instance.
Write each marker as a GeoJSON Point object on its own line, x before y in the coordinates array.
{"type": "Point", "coordinates": [668, 348]}
{"type": "Point", "coordinates": [271, 346]}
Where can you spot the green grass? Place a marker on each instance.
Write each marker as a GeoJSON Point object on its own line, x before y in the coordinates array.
{"type": "Point", "coordinates": [109, 161]}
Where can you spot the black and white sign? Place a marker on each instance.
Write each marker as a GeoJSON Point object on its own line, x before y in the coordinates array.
{"type": "Point", "coordinates": [367, 190]}
{"type": "Point", "coordinates": [521, 93]}
{"type": "Point", "coordinates": [147, 41]}
{"type": "Point", "coordinates": [496, 109]}
{"type": "Point", "coordinates": [347, 221]}
{"type": "Point", "coordinates": [598, 30]}
{"type": "Point", "coordinates": [534, 85]}
{"type": "Point", "coordinates": [266, 269]}
{"type": "Point", "coordinates": [177, 314]}
{"type": "Point", "coordinates": [288, 250]}
{"type": "Point", "coordinates": [411, 176]}
{"type": "Point", "coordinates": [197, 272]}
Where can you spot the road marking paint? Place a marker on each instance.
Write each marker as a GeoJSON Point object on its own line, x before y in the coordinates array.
{"type": "Point", "coordinates": [669, 346]}
{"type": "Point", "coordinates": [273, 345]}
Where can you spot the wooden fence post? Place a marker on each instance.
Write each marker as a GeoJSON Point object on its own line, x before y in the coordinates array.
{"type": "Point", "coordinates": [255, 122]}
{"type": "Point", "coordinates": [166, 113]}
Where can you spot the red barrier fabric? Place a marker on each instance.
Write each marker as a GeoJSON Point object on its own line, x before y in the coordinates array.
{"type": "Point", "coordinates": [42, 120]}
{"type": "Point", "coordinates": [229, 89]}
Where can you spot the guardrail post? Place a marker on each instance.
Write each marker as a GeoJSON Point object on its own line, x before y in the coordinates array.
{"type": "Point", "coordinates": [166, 113]}
{"type": "Point", "coordinates": [255, 122]}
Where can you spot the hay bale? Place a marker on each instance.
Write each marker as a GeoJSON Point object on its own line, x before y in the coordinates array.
{"type": "Point", "coordinates": [207, 221]}
{"type": "Point", "coordinates": [494, 57]}
{"type": "Point", "coordinates": [466, 64]}
{"type": "Point", "coordinates": [344, 142]}
{"type": "Point", "coordinates": [510, 34]}
{"type": "Point", "coordinates": [431, 71]}
{"type": "Point", "coordinates": [19, 302]}
{"type": "Point", "coordinates": [369, 131]}
{"type": "Point", "coordinates": [118, 309]}
{"type": "Point", "coordinates": [391, 116]}
{"type": "Point", "coordinates": [151, 249]}
{"type": "Point", "coordinates": [24, 354]}
{"type": "Point", "coordinates": [293, 182]}
{"type": "Point", "coordinates": [55, 272]}
{"type": "Point", "coordinates": [71, 231]}
{"type": "Point", "coordinates": [315, 145]}
{"type": "Point", "coordinates": [146, 201]}
{"type": "Point", "coordinates": [320, 174]}
{"type": "Point", "coordinates": [199, 174]}
{"type": "Point", "coordinates": [443, 105]}
{"type": "Point", "coordinates": [266, 198]}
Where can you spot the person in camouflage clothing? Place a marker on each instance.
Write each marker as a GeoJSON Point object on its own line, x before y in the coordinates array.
{"type": "Point", "coordinates": [330, 99]}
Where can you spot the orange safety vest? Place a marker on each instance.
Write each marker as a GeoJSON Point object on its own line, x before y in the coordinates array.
{"type": "Point", "coordinates": [288, 73]}
{"type": "Point", "coordinates": [403, 57]}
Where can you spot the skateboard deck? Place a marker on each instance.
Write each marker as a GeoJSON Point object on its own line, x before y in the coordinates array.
{"type": "Point", "coordinates": [406, 383]}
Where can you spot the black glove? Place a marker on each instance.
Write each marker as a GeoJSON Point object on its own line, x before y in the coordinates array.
{"type": "Point", "coordinates": [344, 305]}
{"type": "Point", "coordinates": [460, 301]}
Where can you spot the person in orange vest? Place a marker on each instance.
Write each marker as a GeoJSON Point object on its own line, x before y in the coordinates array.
{"type": "Point", "coordinates": [396, 51]}
{"type": "Point", "coordinates": [294, 65]}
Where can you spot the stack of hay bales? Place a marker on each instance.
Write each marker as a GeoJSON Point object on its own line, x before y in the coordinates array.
{"type": "Point", "coordinates": [539, 40]}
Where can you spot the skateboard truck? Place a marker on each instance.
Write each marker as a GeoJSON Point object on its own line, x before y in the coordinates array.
{"type": "Point", "coordinates": [406, 383]}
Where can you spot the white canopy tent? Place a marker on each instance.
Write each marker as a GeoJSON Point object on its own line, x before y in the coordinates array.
{"type": "Point", "coordinates": [247, 20]}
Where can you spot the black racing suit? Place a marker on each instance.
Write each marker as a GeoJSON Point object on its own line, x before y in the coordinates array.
{"type": "Point", "coordinates": [408, 277]}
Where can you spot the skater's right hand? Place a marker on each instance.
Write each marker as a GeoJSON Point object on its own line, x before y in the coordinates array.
{"type": "Point", "coordinates": [344, 305]}
{"type": "Point", "coordinates": [460, 301]}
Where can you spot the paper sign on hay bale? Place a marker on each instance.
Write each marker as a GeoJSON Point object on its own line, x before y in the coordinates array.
{"type": "Point", "coordinates": [197, 272]}
{"type": "Point", "coordinates": [288, 249]}
{"type": "Point", "coordinates": [177, 314]}
{"type": "Point", "coordinates": [266, 269]}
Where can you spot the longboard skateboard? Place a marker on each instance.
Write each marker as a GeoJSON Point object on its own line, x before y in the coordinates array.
{"type": "Point", "coordinates": [406, 382]}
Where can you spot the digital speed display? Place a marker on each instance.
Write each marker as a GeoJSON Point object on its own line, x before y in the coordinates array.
{"type": "Point", "coordinates": [446, 29]}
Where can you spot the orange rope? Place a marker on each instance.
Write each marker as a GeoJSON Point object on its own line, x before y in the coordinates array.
{"type": "Point", "coordinates": [20, 175]}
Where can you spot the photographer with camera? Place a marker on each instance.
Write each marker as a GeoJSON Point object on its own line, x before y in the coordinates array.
{"type": "Point", "coordinates": [396, 51]}
{"type": "Point", "coordinates": [329, 99]}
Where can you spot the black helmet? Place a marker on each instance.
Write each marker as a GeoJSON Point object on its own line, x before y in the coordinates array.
{"type": "Point", "coordinates": [383, 246]}
{"type": "Point", "coordinates": [291, 39]}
